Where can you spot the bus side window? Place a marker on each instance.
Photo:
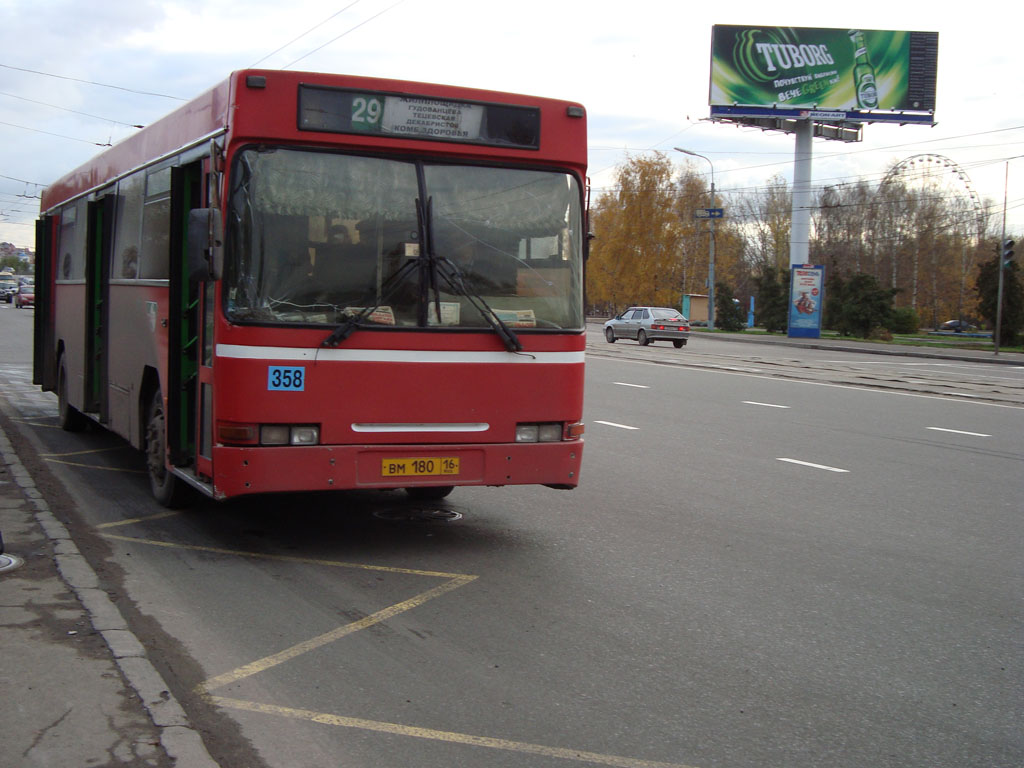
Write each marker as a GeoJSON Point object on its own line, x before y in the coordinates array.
{"type": "Point", "coordinates": [156, 225]}
{"type": "Point", "coordinates": [71, 246]}
{"type": "Point", "coordinates": [128, 226]}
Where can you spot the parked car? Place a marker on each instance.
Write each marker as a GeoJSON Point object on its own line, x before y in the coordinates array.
{"type": "Point", "coordinates": [649, 324]}
{"type": "Point", "coordinates": [25, 297]}
{"type": "Point", "coordinates": [957, 325]}
{"type": "Point", "coordinates": [8, 287]}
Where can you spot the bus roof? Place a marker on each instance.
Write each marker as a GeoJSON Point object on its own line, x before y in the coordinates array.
{"type": "Point", "coordinates": [273, 94]}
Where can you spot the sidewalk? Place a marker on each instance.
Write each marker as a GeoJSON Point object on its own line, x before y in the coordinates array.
{"type": "Point", "coordinates": [832, 344]}
{"type": "Point", "coordinates": [78, 689]}
{"type": "Point", "coordinates": [868, 347]}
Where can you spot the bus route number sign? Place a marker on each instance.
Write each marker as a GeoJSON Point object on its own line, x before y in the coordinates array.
{"type": "Point", "coordinates": [286, 379]}
{"type": "Point", "coordinates": [367, 112]}
{"type": "Point", "coordinates": [420, 466]}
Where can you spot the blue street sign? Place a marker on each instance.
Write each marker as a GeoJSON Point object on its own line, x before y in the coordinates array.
{"type": "Point", "coordinates": [709, 213]}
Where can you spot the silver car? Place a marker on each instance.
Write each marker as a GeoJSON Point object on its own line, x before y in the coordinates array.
{"type": "Point", "coordinates": [648, 324]}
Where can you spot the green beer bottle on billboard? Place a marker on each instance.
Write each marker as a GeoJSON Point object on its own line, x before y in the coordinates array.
{"type": "Point", "coordinates": [863, 72]}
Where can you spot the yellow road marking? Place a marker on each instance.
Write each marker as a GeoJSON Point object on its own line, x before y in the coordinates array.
{"type": "Point", "coordinates": [82, 453]}
{"type": "Point", "coordinates": [329, 637]}
{"type": "Point", "coordinates": [129, 521]}
{"type": "Point", "coordinates": [576, 755]}
{"type": "Point", "coordinates": [286, 558]}
{"type": "Point", "coordinates": [94, 466]}
{"type": "Point", "coordinates": [453, 582]}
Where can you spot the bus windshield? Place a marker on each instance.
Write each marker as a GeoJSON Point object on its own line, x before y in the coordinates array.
{"type": "Point", "coordinates": [315, 238]}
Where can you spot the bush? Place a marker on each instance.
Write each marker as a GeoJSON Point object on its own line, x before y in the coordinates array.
{"type": "Point", "coordinates": [904, 320]}
{"type": "Point", "coordinates": [728, 313]}
{"type": "Point", "coordinates": [772, 299]}
{"type": "Point", "coordinates": [880, 334]}
{"type": "Point", "coordinates": [860, 305]}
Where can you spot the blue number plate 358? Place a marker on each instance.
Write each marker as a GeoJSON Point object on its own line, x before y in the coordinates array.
{"type": "Point", "coordinates": [282, 378]}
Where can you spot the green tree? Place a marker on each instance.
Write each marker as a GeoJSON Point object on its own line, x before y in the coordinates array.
{"type": "Point", "coordinates": [771, 303]}
{"type": "Point", "coordinates": [729, 315]}
{"type": "Point", "coordinates": [861, 306]}
{"type": "Point", "coordinates": [987, 288]}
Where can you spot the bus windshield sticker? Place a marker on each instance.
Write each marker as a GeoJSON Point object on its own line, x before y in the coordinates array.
{"type": "Point", "coordinates": [288, 379]}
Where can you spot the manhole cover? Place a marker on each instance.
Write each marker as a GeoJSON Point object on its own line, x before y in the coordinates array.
{"type": "Point", "coordinates": [418, 514]}
{"type": "Point", "coordinates": [9, 563]}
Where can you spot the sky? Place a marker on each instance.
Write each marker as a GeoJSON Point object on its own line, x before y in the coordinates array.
{"type": "Point", "coordinates": [640, 68]}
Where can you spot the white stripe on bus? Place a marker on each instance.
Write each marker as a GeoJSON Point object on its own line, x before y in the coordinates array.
{"type": "Point", "coordinates": [239, 351]}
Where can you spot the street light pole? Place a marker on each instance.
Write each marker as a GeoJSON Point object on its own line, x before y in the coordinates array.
{"type": "Point", "coordinates": [711, 242]}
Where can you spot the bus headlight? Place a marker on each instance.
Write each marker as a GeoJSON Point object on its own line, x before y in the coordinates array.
{"type": "Point", "coordinates": [289, 434]}
{"type": "Point", "coordinates": [548, 432]}
{"type": "Point", "coordinates": [307, 435]}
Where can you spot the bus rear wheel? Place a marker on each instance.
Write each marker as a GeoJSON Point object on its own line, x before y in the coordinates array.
{"type": "Point", "coordinates": [429, 493]}
{"type": "Point", "coordinates": [167, 489]}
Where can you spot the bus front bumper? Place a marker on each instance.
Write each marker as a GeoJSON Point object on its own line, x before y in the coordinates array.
{"type": "Point", "coordinates": [280, 469]}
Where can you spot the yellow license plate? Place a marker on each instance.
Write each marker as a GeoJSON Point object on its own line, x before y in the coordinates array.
{"type": "Point", "coordinates": [420, 466]}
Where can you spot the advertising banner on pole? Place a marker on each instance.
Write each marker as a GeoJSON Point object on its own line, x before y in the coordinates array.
{"type": "Point", "coordinates": [846, 70]}
{"type": "Point", "coordinates": [806, 301]}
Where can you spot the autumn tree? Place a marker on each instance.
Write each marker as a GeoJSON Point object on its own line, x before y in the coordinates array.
{"type": "Point", "coordinates": [635, 255]}
{"type": "Point", "coordinates": [649, 247]}
{"type": "Point", "coordinates": [765, 215]}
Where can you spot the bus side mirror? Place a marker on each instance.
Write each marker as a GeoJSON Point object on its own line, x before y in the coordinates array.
{"type": "Point", "coordinates": [205, 245]}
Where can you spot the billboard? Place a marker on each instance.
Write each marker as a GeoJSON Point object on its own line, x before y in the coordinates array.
{"type": "Point", "coordinates": [806, 297]}
{"type": "Point", "coordinates": [842, 70]}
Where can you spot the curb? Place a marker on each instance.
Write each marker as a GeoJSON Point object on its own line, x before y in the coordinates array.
{"type": "Point", "coordinates": [979, 356]}
{"type": "Point", "coordinates": [179, 739]}
{"type": "Point", "coordinates": [870, 349]}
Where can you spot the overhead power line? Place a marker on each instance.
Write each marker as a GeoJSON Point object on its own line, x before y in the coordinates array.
{"type": "Point", "coordinates": [347, 31]}
{"type": "Point", "coordinates": [311, 29]}
{"type": "Point", "coordinates": [92, 82]}
{"type": "Point", "coordinates": [58, 135]}
{"type": "Point", "coordinates": [74, 111]}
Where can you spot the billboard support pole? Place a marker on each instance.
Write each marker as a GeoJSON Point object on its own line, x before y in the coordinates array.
{"type": "Point", "coordinates": [800, 227]}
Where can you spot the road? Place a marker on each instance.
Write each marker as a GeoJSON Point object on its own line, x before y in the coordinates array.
{"type": "Point", "coordinates": [769, 562]}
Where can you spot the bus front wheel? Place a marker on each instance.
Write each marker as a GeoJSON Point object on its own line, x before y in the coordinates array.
{"type": "Point", "coordinates": [167, 489]}
{"type": "Point", "coordinates": [429, 492]}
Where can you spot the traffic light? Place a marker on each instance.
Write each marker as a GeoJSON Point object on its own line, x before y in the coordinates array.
{"type": "Point", "coordinates": [1007, 256]}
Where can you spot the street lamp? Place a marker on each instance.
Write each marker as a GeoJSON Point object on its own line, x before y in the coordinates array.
{"type": "Point", "coordinates": [711, 241]}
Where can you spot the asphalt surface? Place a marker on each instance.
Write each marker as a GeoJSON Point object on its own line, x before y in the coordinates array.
{"type": "Point", "coordinates": [80, 687]}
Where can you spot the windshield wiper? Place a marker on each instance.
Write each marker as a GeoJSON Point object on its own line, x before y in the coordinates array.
{"type": "Point", "coordinates": [352, 323]}
{"type": "Point", "coordinates": [456, 280]}
{"type": "Point", "coordinates": [435, 266]}
{"type": "Point", "coordinates": [439, 265]}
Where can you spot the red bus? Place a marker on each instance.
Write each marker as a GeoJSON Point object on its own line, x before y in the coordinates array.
{"type": "Point", "coordinates": [307, 282]}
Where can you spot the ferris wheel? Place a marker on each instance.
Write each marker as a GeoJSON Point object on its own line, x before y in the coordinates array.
{"type": "Point", "coordinates": [939, 179]}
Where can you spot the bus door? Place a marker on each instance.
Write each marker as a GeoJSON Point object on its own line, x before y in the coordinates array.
{"type": "Point", "coordinates": [44, 362]}
{"type": "Point", "coordinates": [99, 236]}
{"type": "Point", "coordinates": [184, 339]}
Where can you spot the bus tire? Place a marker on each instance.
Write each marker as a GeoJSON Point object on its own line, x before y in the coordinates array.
{"type": "Point", "coordinates": [167, 489]}
{"type": "Point", "coordinates": [429, 492]}
{"type": "Point", "coordinates": [69, 417]}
